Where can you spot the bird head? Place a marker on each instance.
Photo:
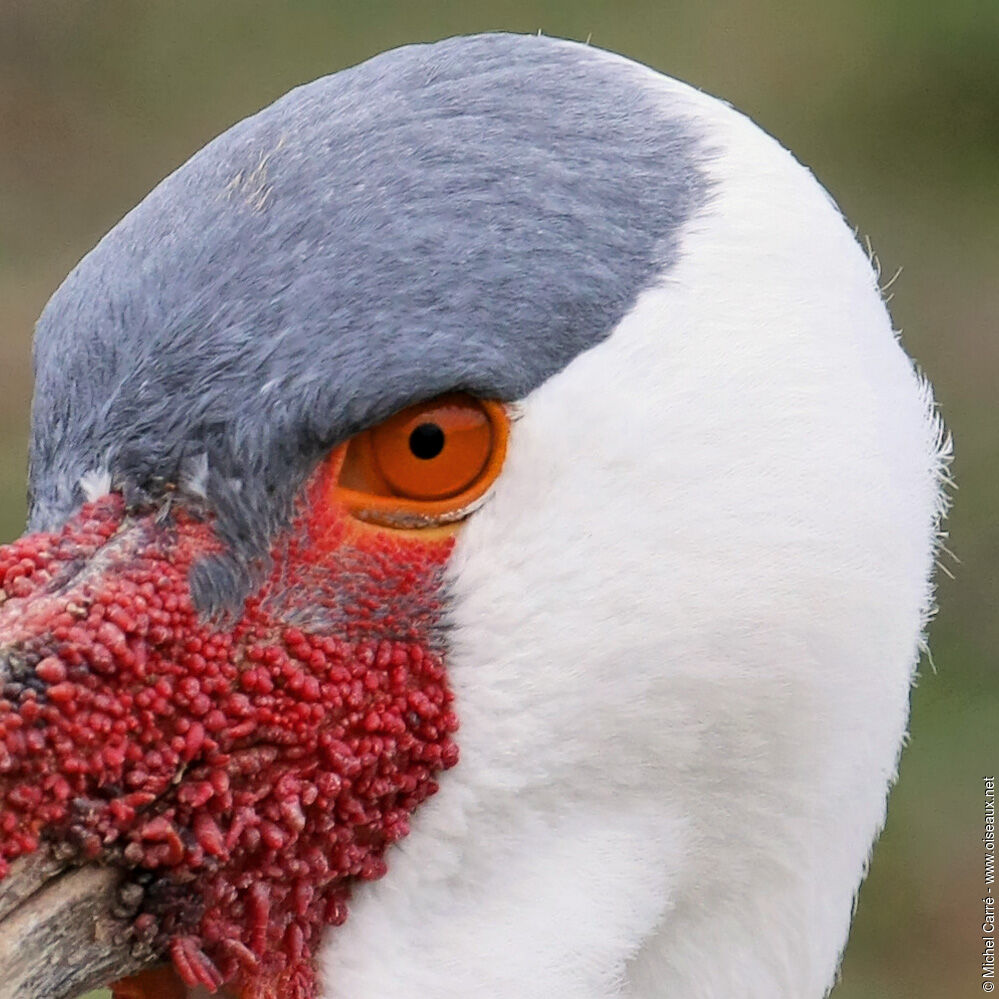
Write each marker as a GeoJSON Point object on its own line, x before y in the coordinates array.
{"type": "Point", "coordinates": [481, 493]}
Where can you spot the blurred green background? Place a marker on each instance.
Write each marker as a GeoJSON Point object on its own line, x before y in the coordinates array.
{"type": "Point", "coordinates": [894, 105]}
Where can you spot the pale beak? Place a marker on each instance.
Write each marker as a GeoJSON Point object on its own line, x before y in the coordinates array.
{"type": "Point", "coordinates": [58, 934]}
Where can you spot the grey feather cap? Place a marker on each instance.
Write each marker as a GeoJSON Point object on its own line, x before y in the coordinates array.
{"type": "Point", "coordinates": [469, 215]}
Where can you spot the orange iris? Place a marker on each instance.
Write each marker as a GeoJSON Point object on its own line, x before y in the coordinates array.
{"type": "Point", "coordinates": [425, 465]}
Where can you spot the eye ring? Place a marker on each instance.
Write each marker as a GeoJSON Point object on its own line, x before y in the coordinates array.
{"type": "Point", "coordinates": [429, 464]}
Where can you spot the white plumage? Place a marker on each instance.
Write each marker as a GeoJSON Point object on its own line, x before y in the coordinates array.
{"type": "Point", "coordinates": [685, 629]}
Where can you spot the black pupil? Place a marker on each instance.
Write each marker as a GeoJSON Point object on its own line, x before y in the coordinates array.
{"type": "Point", "coordinates": [426, 441]}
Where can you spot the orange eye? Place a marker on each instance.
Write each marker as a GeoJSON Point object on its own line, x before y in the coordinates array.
{"type": "Point", "coordinates": [428, 464]}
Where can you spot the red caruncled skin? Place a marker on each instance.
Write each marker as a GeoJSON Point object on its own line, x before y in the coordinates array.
{"type": "Point", "coordinates": [246, 775]}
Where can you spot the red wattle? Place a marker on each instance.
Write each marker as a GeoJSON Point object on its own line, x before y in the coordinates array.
{"type": "Point", "coordinates": [246, 776]}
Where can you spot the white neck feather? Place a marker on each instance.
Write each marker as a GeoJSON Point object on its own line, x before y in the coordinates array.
{"type": "Point", "coordinates": [684, 632]}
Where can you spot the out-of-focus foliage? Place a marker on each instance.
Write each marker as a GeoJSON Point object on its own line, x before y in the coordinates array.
{"type": "Point", "coordinates": [894, 104]}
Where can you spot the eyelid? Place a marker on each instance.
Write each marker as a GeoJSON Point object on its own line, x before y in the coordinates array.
{"type": "Point", "coordinates": [397, 511]}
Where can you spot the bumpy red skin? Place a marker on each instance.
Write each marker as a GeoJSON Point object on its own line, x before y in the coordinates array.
{"type": "Point", "coordinates": [256, 770]}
